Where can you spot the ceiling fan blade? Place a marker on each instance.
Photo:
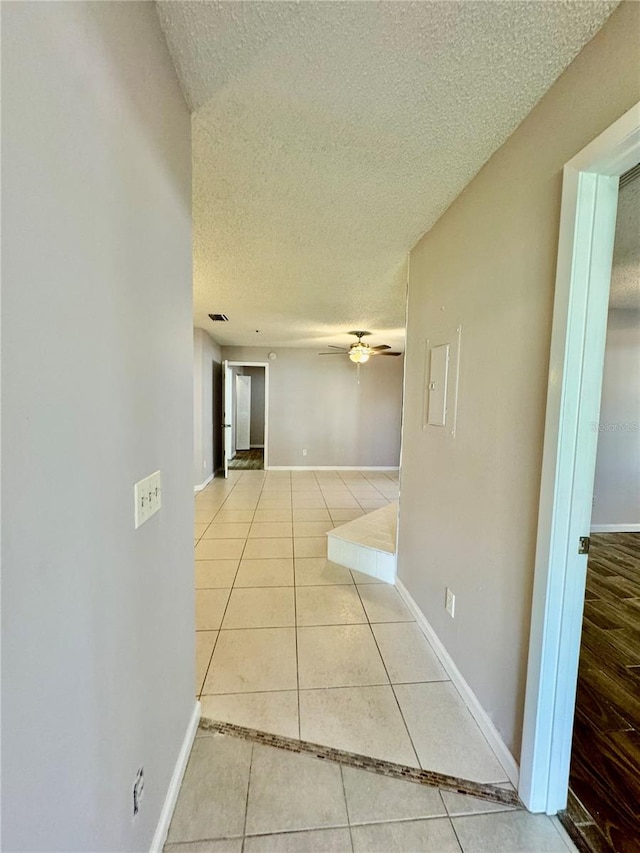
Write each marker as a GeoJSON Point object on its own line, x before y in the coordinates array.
{"type": "Point", "coordinates": [331, 346]}
{"type": "Point", "coordinates": [386, 352]}
{"type": "Point", "coordinates": [337, 353]}
{"type": "Point", "coordinates": [381, 347]}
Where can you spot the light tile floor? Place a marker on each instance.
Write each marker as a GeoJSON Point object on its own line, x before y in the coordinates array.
{"type": "Point", "coordinates": [240, 797]}
{"type": "Point", "coordinates": [290, 643]}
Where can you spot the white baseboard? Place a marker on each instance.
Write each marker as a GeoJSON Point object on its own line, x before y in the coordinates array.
{"type": "Point", "coordinates": [632, 527]}
{"type": "Point", "coordinates": [256, 446]}
{"type": "Point", "coordinates": [162, 827]}
{"type": "Point", "coordinates": [333, 468]}
{"type": "Point", "coordinates": [470, 699]}
{"type": "Point", "coordinates": [202, 485]}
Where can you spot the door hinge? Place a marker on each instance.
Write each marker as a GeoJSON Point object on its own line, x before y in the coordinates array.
{"type": "Point", "coordinates": [585, 542]}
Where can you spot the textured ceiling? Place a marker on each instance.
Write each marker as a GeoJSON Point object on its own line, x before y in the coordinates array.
{"type": "Point", "coordinates": [625, 276]}
{"type": "Point", "coordinates": [329, 136]}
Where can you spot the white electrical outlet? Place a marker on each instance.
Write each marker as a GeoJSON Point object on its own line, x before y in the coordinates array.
{"type": "Point", "coordinates": [147, 495]}
{"type": "Point", "coordinates": [304, 451]}
{"type": "Point", "coordinates": [450, 603]}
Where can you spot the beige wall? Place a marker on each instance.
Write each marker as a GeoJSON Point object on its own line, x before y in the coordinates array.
{"type": "Point", "coordinates": [469, 505]}
{"type": "Point", "coordinates": [316, 403]}
{"type": "Point", "coordinates": [97, 618]}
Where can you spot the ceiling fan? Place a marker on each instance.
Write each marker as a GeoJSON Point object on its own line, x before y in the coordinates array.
{"type": "Point", "coordinates": [360, 352]}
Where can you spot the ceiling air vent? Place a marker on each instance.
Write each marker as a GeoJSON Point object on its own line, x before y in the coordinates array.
{"type": "Point", "coordinates": [219, 318]}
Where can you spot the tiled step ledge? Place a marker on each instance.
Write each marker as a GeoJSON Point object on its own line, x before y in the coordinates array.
{"type": "Point", "coordinates": [367, 544]}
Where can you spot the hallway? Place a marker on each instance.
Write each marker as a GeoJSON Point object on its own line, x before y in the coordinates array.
{"type": "Point", "coordinates": [295, 645]}
{"type": "Point", "coordinates": [193, 183]}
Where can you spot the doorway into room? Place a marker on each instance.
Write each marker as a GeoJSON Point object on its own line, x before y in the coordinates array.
{"type": "Point", "coordinates": [604, 783]}
{"type": "Point", "coordinates": [583, 289]}
{"type": "Point", "coordinates": [245, 406]}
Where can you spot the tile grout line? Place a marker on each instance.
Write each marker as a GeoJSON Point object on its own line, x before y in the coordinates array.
{"type": "Point", "coordinates": [295, 593]}
{"type": "Point", "coordinates": [239, 562]}
{"type": "Point", "coordinates": [346, 805]}
{"type": "Point", "coordinates": [348, 825]}
{"type": "Point", "coordinates": [215, 642]}
{"type": "Point", "coordinates": [375, 640]}
{"type": "Point", "coordinates": [201, 692]}
{"type": "Point", "coordinates": [374, 823]}
{"type": "Point", "coordinates": [318, 689]}
{"type": "Point", "coordinates": [220, 629]}
{"type": "Point", "coordinates": [246, 802]}
{"type": "Point", "coordinates": [226, 604]}
{"type": "Point", "coordinates": [295, 630]}
{"type": "Point", "coordinates": [454, 830]}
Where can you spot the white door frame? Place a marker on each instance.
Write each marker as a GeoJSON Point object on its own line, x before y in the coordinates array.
{"type": "Point", "coordinates": [266, 365]}
{"type": "Point", "coordinates": [587, 227]}
{"type": "Point", "coordinates": [227, 416]}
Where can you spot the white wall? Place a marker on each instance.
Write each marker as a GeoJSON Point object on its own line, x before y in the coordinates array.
{"type": "Point", "coordinates": [469, 505]}
{"type": "Point", "coordinates": [315, 403]}
{"type": "Point", "coordinates": [206, 355]}
{"type": "Point", "coordinates": [98, 631]}
{"type": "Point", "coordinates": [617, 482]}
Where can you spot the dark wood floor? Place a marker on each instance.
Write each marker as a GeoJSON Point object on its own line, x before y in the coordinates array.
{"type": "Point", "coordinates": [248, 459]}
{"type": "Point", "coordinates": [605, 766]}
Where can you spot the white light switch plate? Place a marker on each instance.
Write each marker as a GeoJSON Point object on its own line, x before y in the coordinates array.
{"type": "Point", "coordinates": [148, 498]}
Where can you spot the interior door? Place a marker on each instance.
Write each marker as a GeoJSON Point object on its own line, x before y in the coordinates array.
{"type": "Point", "coordinates": [227, 415]}
{"type": "Point", "coordinates": [243, 412]}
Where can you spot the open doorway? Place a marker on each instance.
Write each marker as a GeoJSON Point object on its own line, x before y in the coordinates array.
{"type": "Point", "coordinates": [586, 243]}
{"type": "Point", "coordinates": [245, 405]}
{"type": "Point", "coordinates": [605, 773]}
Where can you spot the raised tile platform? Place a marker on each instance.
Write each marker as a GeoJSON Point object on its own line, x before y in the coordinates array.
{"type": "Point", "coordinates": [367, 544]}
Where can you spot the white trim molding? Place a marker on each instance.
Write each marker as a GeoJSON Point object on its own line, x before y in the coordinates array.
{"type": "Point", "coordinates": [204, 484]}
{"type": "Point", "coordinates": [166, 813]}
{"type": "Point", "coordinates": [583, 276]}
{"type": "Point", "coordinates": [484, 721]}
{"type": "Point", "coordinates": [631, 527]}
{"type": "Point", "coordinates": [386, 468]}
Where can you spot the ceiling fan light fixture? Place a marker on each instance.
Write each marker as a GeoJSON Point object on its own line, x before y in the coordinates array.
{"type": "Point", "coordinates": [359, 353]}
